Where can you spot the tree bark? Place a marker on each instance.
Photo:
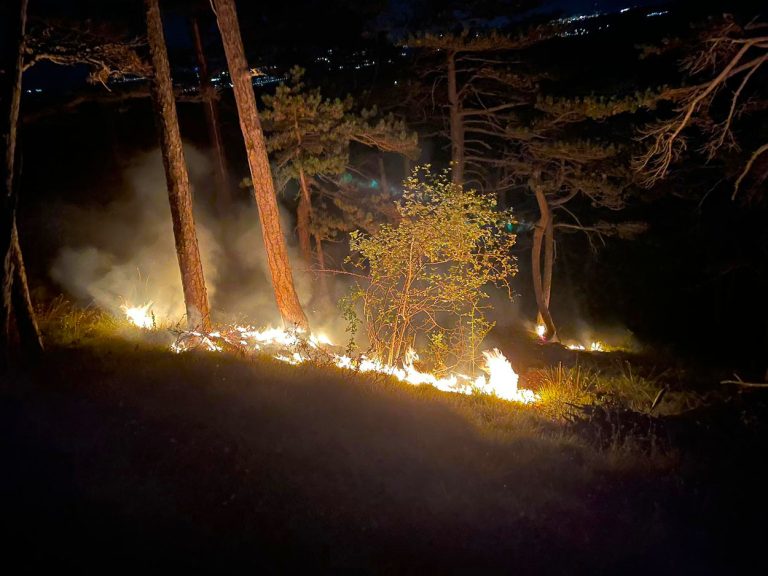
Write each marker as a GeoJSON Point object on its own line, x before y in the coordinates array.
{"type": "Point", "coordinates": [223, 199]}
{"type": "Point", "coordinates": [14, 20]}
{"type": "Point", "coordinates": [549, 258]}
{"type": "Point", "coordinates": [176, 176]}
{"type": "Point", "coordinates": [304, 219]}
{"type": "Point", "coordinates": [383, 174]}
{"type": "Point", "coordinates": [456, 122]}
{"type": "Point", "coordinates": [23, 312]}
{"type": "Point", "coordinates": [538, 277]}
{"type": "Point", "coordinates": [264, 189]}
{"type": "Point", "coordinates": [325, 287]}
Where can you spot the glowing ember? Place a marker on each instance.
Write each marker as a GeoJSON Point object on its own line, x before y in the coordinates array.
{"type": "Point", "coordinates": [140, 315]}
{"type": "Point", "coordinates": [541, 330]}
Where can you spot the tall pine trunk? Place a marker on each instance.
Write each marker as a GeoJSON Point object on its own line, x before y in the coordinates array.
{"type": "Point", "coordinates": [327, 295]}
{"type": "Point", "coordinates": [207, 91]}
{"type": "Point", "coordinates": [456, 121]}
{"type": "Point", "coordinates": [176, 176]}
{"type": "Point", "coordinates": [540, 286]}
{"type": "Point", "coordinates": [263, 186]}
{"type": "Point", "coordinates": [23, 312]}
{"type": "Point", "coordinates": [549, 258]}
{"type": "Point", "coordinates": [14, 294]}
{"type": "Point", "coordinates": [304, 219]}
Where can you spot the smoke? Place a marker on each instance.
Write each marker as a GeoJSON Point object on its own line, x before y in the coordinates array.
{"type": "Point", "coordinates": [122, 251]}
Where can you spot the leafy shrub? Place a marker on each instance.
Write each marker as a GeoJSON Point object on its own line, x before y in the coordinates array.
{"type": "Point", "coordinates": [423, 279]}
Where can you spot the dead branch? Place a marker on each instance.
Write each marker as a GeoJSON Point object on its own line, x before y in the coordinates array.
{"type": "Point", "coordinates": [759, 152]}
{"type": "Point", "coordinates": [720, 50]}
{"type": "Point", "coordinates": [106, 59]}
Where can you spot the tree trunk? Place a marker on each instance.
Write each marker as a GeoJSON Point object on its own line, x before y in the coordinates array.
{"type": "Point", "coordinates": [549, 258]}
{"type": "Point", "coordinates": [207, 91]}
{"type": "Point", "coordinates": [456, 123]}
{"type": "Point", "coordinates": [304, 218]}
{"type": "Point", "coordinates": [264, 189]}
{"type": "Point", "coordinates": [176, 176]}
{"type": "Point", "coordinates": [13, 21]}
{"type": "Point", "coordinates": [383, 174]}
{"type": "Point", "coordinates": [325, 286]}
{"type": "Point", "coordinates": [23, 311]}
{"type": "Point", "coordinates": [538, 278]}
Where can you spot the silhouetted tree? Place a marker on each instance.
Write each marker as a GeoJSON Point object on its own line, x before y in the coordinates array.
{"type": "Point", "coordinates": [476, 104]}
{"type": "Point", "coordinates": [728, 85]}
{"type": "Point", "coordinates": [14, 294]}
{"type": "Point", "coordinates": [211, 104]}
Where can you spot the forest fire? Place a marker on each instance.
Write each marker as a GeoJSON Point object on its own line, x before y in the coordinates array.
{"type": "Point", "coordinates": [294, 347]}
{"type": "Point", "coordinates": [595, 346]}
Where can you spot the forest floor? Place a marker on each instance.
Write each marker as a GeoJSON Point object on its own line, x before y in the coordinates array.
{"type": "Point", "coordinates": [120, 456]}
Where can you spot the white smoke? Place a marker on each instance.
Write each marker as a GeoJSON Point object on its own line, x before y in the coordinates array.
{"type": "Point", "coordinates": [122, 251]}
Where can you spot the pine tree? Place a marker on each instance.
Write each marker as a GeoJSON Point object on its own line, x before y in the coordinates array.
{"type": "Point", "coordinates": [14, 293]}
{"type": "Point", "coordinates": [261, 175]}
{"type": "Point", "coordinates": [310, 138]}
{"type": "Point", "coordinates": [177, 178]}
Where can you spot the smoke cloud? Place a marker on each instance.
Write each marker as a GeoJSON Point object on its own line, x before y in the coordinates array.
{"type": "Point", "coordinates": [122, 251]}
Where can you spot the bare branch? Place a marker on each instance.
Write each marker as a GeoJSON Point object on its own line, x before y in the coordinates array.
{"type": "Point", "coordinates": [760, 151]}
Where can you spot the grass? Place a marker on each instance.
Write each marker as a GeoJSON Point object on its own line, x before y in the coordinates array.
{"type": "Point", "coordinates": [119, 451]}
{"type": "Point", "coordinates": [66, 323]}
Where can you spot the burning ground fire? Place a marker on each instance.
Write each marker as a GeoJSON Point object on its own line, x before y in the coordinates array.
{"type": "Point", "coordinates": [594, 346]}
{"type": "Point", "coordinates": [294, 347]}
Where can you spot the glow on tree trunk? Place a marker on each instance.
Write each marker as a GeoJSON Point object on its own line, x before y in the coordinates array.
{"type": "Point", "coordinates": [263, 186]}
{"type": "Point", "coordinates": [177, 178]}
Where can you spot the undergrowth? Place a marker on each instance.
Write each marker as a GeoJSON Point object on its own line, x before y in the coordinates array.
{"type": "Point", "coordinates": [561, 389]}
{"type": "Point", "coordinates": [66, 323]}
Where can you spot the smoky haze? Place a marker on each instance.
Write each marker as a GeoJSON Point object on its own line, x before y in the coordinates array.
{"type": "Point", "coordinates": [122, 251]}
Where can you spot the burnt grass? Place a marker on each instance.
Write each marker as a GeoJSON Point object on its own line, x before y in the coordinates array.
{"type": "Point", "coordinates": [118, 458]}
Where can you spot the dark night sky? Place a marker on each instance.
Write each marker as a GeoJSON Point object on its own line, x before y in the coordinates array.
{"type": "Point", "coordinates": [49, 77]}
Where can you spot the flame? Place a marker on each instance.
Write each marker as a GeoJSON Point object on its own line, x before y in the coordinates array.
{"type": "Point", "coordinates": [502, 379]}
{"type": "Point", "coordinates": [295, 347]}
{"type": "Point", "coordinates": [140, 316]}
{"type": "Point", "coordinates": [595, 346]}
{"type": "Point", "coordinates": [541, 330]}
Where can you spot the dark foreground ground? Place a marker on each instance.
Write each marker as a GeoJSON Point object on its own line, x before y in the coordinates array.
{"type": "Point", "coordinates": [125, 459]}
